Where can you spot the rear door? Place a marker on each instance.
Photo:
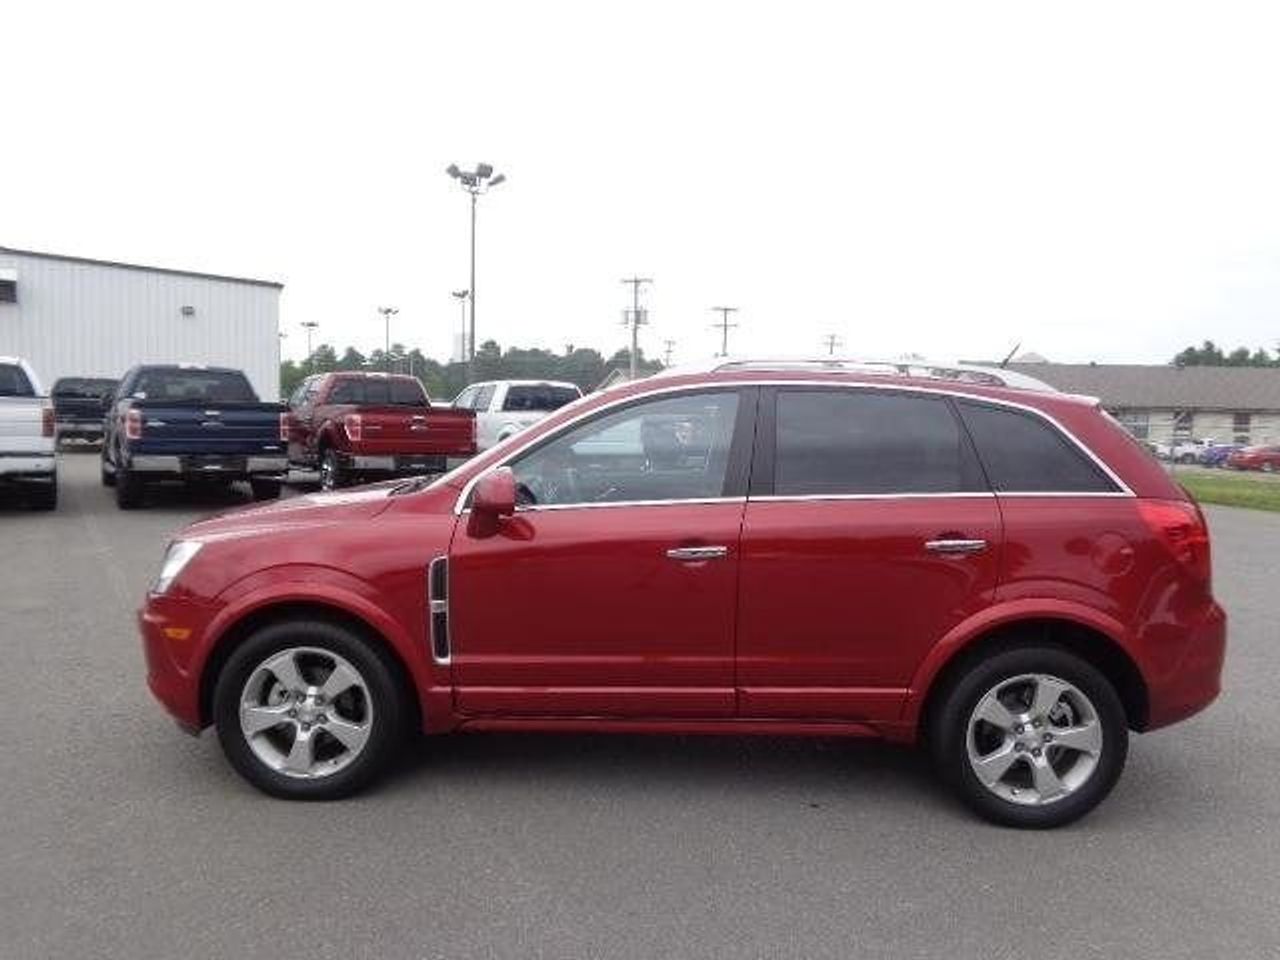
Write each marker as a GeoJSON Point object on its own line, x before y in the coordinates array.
{"type": "Point", "coordinates": [869, 533]}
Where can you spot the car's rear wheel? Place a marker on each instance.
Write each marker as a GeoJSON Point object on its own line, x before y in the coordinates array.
{"type": "Point", "coordinates": [308, 710]}
{"type": "Point", "coordinates": [44, 496]}
{"type": "Point", "coordinates": [265, 489]}
{"type": "Point", "coordinates": [1030, 737]}
{"type": "Point", "coordinates": [128, 489]}
{"type": "Point", "coordinates": [332, 475]}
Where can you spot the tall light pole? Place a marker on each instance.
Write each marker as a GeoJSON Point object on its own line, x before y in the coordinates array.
{"type": "Point", "coordinates": [310, 325]}
{"type": "Point", "coordinates": [635, 318]}
{"type": "Point", "coordinates": [387, 314]}
{"type": "Point", "coordinates": [475, 182]}
{"type": "Point", "coordinates": [670, 346]}
{"type": "Point", "coordinates": [461, 296]}
{"type": "Point", "coordinates": [832, 341]}
{"type": "Point", "coordinates": [723, 325]}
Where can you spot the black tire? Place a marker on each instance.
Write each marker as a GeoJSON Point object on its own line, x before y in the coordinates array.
{"type": "Point", "coordinates": [390, 708]}
{"type": "Point", "coordinates": [129, 489]}
{"type": "Point", "coordinates": [44, 496]}
{"type": "Point", "coordinates": [948, 727]}
{"type": "Point", "coordinates": [265, 489]}
{"type": "Point", "coordinates": [332, 474]}
{"type": "Point", "coordinates": [108, 476]}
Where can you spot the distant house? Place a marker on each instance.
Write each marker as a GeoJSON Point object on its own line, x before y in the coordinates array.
{"type": "Point", "coordinates": [1161, 403]}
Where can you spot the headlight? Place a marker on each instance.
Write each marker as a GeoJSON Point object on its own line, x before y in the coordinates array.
{"type": "Point", "coordinates": [176, 558]}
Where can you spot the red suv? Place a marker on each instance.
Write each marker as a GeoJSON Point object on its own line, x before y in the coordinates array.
{"type": "Point", "coordinates": [933, 556]}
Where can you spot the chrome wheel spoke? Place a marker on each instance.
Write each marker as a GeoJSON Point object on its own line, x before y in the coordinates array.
{"type": "Point", "coordinates": [1048, 692]}
{"type": "Point", "coordinates": [302, 754]}
{"type": "Point", "coordinates": [342, 679]}
{"type": "Point", "coordinates": [993, 766]}
{"type": "Point", "coordinates": [285, 669]}
{"type": "Point", "coordinates": [351, 735]}
{"type": "Point", "coordinates": [255, 718]}
{"type": "Point", "coordinates": [1046, 779]}
{"type": "Point", "coordinates": [1086, 738]}
{"type": "Point", "coordinates": [995, 713]}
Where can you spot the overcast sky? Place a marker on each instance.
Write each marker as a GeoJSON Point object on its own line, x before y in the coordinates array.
{"type": "Point", "coordinates": [1096, 181]}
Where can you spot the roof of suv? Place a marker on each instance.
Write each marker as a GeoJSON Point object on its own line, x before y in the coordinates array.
{"type": "Point", "coordinates": [955, 373]}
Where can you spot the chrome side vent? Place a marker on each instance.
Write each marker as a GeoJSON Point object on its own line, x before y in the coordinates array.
{"type": "Point", "coordinates": [438, 605]}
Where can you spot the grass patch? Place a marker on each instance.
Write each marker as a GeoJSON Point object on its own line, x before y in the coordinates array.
{"type": "Point", "coordinates": [1233, 489]}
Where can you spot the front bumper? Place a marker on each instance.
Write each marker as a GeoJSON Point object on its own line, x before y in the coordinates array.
{"type": "Point", "coordinates": [171, 632]}
{"type": "Point", "coordinates": [1196, 680]}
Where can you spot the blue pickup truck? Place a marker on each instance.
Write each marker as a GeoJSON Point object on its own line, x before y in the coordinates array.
{"type": "Point", "coordinates": [200, 425]}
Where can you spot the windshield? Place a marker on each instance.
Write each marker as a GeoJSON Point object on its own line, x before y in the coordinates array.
{"type": "Point", "coordinates": [84, 387]}
{"type": "Point", "coordinates": [199, 386]}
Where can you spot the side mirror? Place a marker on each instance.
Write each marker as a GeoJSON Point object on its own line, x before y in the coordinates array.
{"type": "Point", "coordinates": [493, 498]}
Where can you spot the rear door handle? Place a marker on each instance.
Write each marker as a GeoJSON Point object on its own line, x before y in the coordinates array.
{"type": "Point", "coordinates": [955, 546]}
{"type": "Point", "coordinates": [697, 553]}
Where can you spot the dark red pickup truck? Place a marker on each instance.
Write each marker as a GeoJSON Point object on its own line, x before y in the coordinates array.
{"type": "Point", "coordinates": [354, 427]}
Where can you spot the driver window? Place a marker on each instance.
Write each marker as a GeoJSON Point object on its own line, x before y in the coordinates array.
{"type": "Point", "coordinates": [676, 448]}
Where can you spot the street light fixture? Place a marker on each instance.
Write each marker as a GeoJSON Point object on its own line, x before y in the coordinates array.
{"type": "Point", "coordinates": [310, 325]}
{"type": "Point", "coordinates": [387, 314]}
{"type": "Point", "coordinates": [475, 182]}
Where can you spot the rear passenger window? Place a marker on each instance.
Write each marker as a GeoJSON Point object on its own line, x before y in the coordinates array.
{"type": "Point", "coordinates": [836, 442]}
{"type": "Point", "coordinates": [483, 398]}
{"type": "Point", "coordinates": [1022, 453]}
{"type": "Point", "coordinates": [408, 393]}
{"type": "Point", "coordinates": [349, 390]}
{"type": "Point", "coordinates": [14, 382]}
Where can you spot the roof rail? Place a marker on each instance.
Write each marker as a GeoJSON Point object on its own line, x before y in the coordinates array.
{"type": "Point", "coordinates": [923, 369]}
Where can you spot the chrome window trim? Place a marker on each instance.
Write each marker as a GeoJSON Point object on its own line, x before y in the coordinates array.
{"type": "Point", "coordinates": [797, 497]}
{"type": "Point", "coordinates": [538, 508]}
{"type": "Point", "coordinates": [1124, 489]}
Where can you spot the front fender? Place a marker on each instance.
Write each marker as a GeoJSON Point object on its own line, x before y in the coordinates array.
{"type": "Point", "coordinates": [992, 618]}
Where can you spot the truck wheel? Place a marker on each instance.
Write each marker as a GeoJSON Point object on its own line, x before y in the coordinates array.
{"type": "Point", "coordinates": [128, 489]}
{"type": "Point", "coordinates": [108, 476]}
{"type": "Point", "coordinates": [44, 496]}
{"type": "Point", "coordinates": [307, 710]}
{"type": "Point", "coordinates": [265, 489]}
{"type": "Point", "coordinates": [1031, 737]}
{"type": "Point", "coordinates": [332, 476]}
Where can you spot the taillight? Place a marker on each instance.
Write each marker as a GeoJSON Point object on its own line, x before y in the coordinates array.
{"type": "Point", "coordinates": [46, 422]}
{"type": "Point", "coordinates": [284, 427]}
{"type": "Point", "coordinates": [133, 425]}
{"type": "Point", "coordinates": [354, 427]}
{"type": "Point", "coordinates": [1181, 528]}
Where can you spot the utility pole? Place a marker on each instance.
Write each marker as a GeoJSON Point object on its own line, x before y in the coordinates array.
{"type": "Point", "coordinates": [475, 182]}
{"type": "Point", "coordinates": [310, 325]}
{"type": "Point", "coordinates": [461, 296]}
{"type": "Point", "coordinates": [832, 341]}
{"type": "Point", "coordinates": [668, 347]}
{"type": "Point", "coordinates": [635, 318]}
{"type": "Point", "coordinates": [723, 325]}
{"type": "Point", "coordinates": [387, 314]}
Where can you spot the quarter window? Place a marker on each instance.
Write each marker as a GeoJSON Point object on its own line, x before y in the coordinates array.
{"type": "Point", "coordinates": [483, 398]}
{"type": "Point", "coordinates": [834, 442]}
{"type": "Point", "coordinates": [675, 448]}
{"type": "Point", "coordinates": [1023, 453]}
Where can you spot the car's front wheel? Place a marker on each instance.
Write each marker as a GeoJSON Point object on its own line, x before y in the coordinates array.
{"type": "Point", "coordinates": [1030, 737]}
{"type": "Point", "coordinates": [308, 710]}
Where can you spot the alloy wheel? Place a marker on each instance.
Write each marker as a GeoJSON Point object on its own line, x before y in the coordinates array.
{"type": "Point", "coordinates": [1034, 739]}
{"type": "Point", "coordinates": [306, 712]}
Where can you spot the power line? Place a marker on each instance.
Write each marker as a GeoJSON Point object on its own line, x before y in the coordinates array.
{"type": "Point", "coordinates": [723, 326]}
{"type": "Point", "coordinates": [634, 318]}
{"type": "Point", "coordinates": [668, 348]}
{"type": "Point", "coordinates": [832, 341]}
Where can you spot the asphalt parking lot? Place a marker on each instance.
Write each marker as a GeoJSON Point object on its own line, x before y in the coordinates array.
{"type": "Point", "coordinates": [121, 837]}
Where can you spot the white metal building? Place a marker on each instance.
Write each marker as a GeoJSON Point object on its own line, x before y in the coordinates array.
{"type": "Point", "coordinates": [70, 316]}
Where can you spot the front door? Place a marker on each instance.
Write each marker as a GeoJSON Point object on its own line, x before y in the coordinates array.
{"type": "Point", "coordinates": [869, 534]}
{"type": "Point", "coordinates": [612, 591]}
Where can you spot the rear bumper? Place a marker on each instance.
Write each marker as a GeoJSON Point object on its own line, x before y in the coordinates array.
{"type": "Point", "coordinates": [196, 465]}
{"type": "Point", "coordinates": [23, 464]}
{"type": "Point", "coordinates": [397, 464]}
{"type": "Point", "coordinates": [89, 429]}
{"type": "Point", "coordinates": [1197, 679]}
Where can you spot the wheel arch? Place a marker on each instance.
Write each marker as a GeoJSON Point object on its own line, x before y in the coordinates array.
{"type": "Point", "coordinates": [297, 609]}
{"type": "Point", "coordinates": [1087, 641]}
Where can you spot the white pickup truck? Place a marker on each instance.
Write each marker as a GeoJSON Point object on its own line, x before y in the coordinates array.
{"type": "Point", "coordinates": [505, 407]}
{"type": "Point", "coordinates": [27, 458]}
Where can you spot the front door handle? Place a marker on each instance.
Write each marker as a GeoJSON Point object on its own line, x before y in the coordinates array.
{"type": "Point", "coordinates": [697, 553]}
{"type": "Point", "coordinates": [955, 546]}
